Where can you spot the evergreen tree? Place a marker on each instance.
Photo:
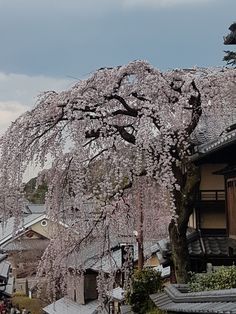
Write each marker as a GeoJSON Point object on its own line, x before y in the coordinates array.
{"type": "Point", "coordinates": [230, 39]}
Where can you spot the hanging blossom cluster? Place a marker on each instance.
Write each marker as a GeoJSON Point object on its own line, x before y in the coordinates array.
{"type": "Point", "coordinates": [121, 130]}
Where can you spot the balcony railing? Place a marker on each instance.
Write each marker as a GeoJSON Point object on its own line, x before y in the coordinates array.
{"type": "Point", "coordinates": [211, 195]}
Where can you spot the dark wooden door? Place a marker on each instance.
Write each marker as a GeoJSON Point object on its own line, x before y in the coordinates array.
{"type": "Point", "coordinates": [231, 204]}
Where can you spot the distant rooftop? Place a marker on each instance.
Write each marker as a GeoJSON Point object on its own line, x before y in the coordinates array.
{"type": "Point", "coordinates": [67, 306]}
{"type": "Point", "coordinates": [9, 288]}
{"type": "Point", "coordinates": [4, 270]}
{"type": "Point", "coordinates": [34, 209]}
{"type": "Point", "coordinates": [89, 256]}
{"type": "Point", "coordinates": [7, 229]}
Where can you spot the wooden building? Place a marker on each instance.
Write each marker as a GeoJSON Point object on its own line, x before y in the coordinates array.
{"type": "Point", "coordinates": [214, 217]}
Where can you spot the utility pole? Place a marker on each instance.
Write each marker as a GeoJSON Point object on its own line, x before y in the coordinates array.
{"type": "Point", "coordinates": [140, 228]}
{"type": "Point", "coordinates": [140, 247]}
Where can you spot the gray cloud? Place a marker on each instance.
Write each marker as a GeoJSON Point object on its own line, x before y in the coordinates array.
{"type": "Point", "coordinates": [94, 6]}
{"type": "Point", "coordinates": [9, 111]}
{"type": "Point", "coordinates": [19, 92]}
{"type": "Point", "coordinates": [59, 38]}
{"type": "Point", "coordinates": [159, 4]}
{"type": "Point", "coordinates": [25, 88]}
{"type": "Point", "coordinates": [75, 37]}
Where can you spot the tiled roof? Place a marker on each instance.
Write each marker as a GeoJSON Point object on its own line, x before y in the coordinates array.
{"type": "Point", "coordinates": [25, 245]}
{"type": "Point", "coordinates": [108, 263]}
{"type": "Point", "coordinates": [176, 298]}
{"type": "Point", "coordinates": [2, 257]}
{"type": "Point", "coordinates": [212, 246]}
{"type": "Point", "coordinates": [89, 256]}
{"type": "Point", "coordinates": [202, 245]}
{"type": "Point", "coordinates": [67, 306]}
{"type": "Point", "coordinates": [36, 208]}
{"type": "Point", "coordinates": [195, 247]}
{"type": "Point", "coordinates": [208, 147]}
{"type": "Point", "coordinates": [198, 247]}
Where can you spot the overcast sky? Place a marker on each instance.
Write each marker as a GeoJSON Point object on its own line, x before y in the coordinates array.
{"type": "Point", "coordinates": [48, 44]}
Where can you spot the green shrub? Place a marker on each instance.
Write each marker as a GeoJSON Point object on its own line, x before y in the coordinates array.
{"type": "Point", "coordinates": [223, 278]}
{"type": "Point", "coordinates": [144, 283]}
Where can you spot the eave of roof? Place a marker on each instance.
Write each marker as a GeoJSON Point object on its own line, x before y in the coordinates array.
{"type": "Point", "coordinates": [25, 245]}
{"type": "Point", "coordinates": [176, 298]}
{"type": "Point", "coordinates": [206, 149]}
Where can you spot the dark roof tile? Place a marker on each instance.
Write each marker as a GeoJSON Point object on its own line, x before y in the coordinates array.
{"type": "Point", "coordinates": [215, 246]}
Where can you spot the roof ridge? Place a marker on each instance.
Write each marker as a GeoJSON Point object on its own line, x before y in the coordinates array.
{"type": "Point", "coordinates": [173, 291]}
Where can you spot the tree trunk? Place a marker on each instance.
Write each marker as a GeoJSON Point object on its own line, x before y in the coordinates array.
{"type": "Point", "coordinates": [185, 200]}
{"type": "Point", "coordinates": [140, 254]}
{"type": "Point", "coordinates": [179, 253]}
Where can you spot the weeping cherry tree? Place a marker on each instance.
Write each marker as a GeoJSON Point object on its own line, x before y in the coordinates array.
{"type": "Point", "coordinates": [119, 144]}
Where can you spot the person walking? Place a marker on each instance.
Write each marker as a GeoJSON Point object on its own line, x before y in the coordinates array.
{"type": "Point", "coordinates": [13, 310]}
